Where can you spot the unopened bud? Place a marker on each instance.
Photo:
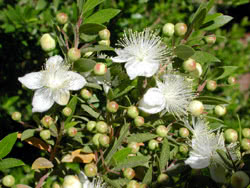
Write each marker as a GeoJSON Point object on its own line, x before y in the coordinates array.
{"type": "Point", "coordinates": [196, 107]}
{"type": "Point", "coordinates": [104, 34]}
{"type": "Point", "coordinates": [246, 132]}
{"type": "Point", "coordinates": [71, 181]}
{"type": "Point", "coordinates": [210, 39]}
{"type": "Point", "coordinates": [231, 80]}
{"type": "Point", "coordinates": [133, 184]}
{"type": "Point", "coordinates": [101, 127]}
{"type": "Point", "coordinates": [198, 70]}
{"type": "Point", "coordinates": [180, 29]}
{"type": "Point", "coordinates": [72, 131]}
{"type": "Point", "coordinates": [239, 179]}
{"type": "Point", "coordinates": [163, 179]}
{"type": "Point", "coordinates": [129, 173]}
{"type": "Point", "coordinates": [134, 146]}
{"type": "Point", "coordinates": [74, 54]}
{"type": "Point", "coordinates": [62, 18]}
{"type": "Point", "coordinates": [47, 42]}
{"type": "Point", "coordinates": [153, 144]}
{"type": "Point", "coordinates": [162, 131]}
{"type": "Point", "coordinates": [86, 94]}
{"type": "Point", "coordinates": [245, 144]}
{"type": "Point", "coordinates": [16, 116]}
{"type": "Point", "coordinates": [95, 139]}
{"type": "Point", "coordinates": [67, 111]}
{"type": "Point", "coordinates": [220, 110]}
{"type": "Point", "coordinates": [189, 65]}
{"type": "Point", "coordinates": [133, 112]}
{"type": "Point", "coordinates": [8, 181]}
{"type": "Point", "coordinates": [104, 140]}
{"type": "Point", "coordinates": [168, 29]}
{"type": "Point", "coordinates": [211, 85]}
{"type": "Point", "coordinates": [91, 125]}
{"type": "Point", "coordinates": [56, 185]}
{"type": "Point", "coordinates": [104, 42]}
{"type": "Point", "coordinates": [112, 107]}
{"type": "Point", "coordinates": [90, 170]}
{"type": "Point", "coordinates": [100, 69]}
{"type": "Point", "coordinates": [184, 132]}
{"type": "Point", "coordinates": [183, 149]}
{"type": "Point", "coordinates": [47, 121]}
{"type": "Point", "coordinates": [231, 135]}
{"type": "Point", "coordinates": [45, 134]}
{"type": "Point", "coordinates": [139, 121]}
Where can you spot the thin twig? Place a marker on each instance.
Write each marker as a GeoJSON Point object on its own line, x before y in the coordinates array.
{"type": "Point", "coordinates": [79, 22]}
{"type": "Point", "coordinates": [42, 179]}
{"type": "Point", "coordinates": [66, 39]}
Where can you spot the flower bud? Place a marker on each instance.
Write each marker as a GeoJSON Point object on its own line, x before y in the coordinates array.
{"type": "Point", "coordinates": [134, 146]}
{"type": "Point", "coordinates": [139, 121]}
{"type": "Point", "coordinates": [133, 112]}
{"type": "Point", "coordinates": [246, 132]}
{"type": "Point", "coordinates": [239, 179]}
{"type": "Point", "coordinates": [100, 69]}
{"type": "Point", "coordinates": [62, 18]}
{"type": "Point", "coordinates": [45, 134]}
{"type": "Point", "coordinates": [74, 54]}
{"type": "Point", "coordinates": [104, 34]}
{"type": "Point", "coordinates": [161, 131]}
{"type": "Point", "coordinates": [245, 144]}
{"type": "Point", "coordinates": [56, 185]}
{"type": "Point", "coordinates": [196, 107]}
{"type": "Point", "coordinates": [189, 65]}
{"type": "Point", "coordinates": [67, 111]}
{"type": "Point", "coordinates": [129, 173]}
{"type": "Point", "coordinates": [91, 125]}
{"type": "Point", "coordinates": [47, 42]}
{"type": "Point", "coordinates": [95, 139]}
{"type": "Point", "coordinates": [143, 185]}
{"type": "Point", "coordinates": [72, 131]}
{"type": "Point", "coordinates": [211, 85]}
{"type": "Point", "coordinates": [8, 181]}
{"type": "Point", "coordinates": [231, 135]}
{"type": "Point", "coordinates": [220, 110]}
{"type": "Point", "coordinates": [104, 140]}
{"type": "Point", "coordinates": [90, 170]}
{"type": "Point", "coordinates": [86, 94]}
{"type": "Point", "coordinates": [210, 39]}
{"type": "Point", "coordinates": [231, 80]}
{"type": "Point", "coordinates": [180, 29]}
{"type": "Point", "coordinates": [168, 29]}
{"type": "Point", "coordinates": [163, 179]}
{"type": "Point", "coordinates": [153, 144]}
{"type": "Point", "coordinates": [198, 70]}
{"type": "Point", "coordinates": [47, 121]}
{"type": "Point", "coordinates": [101, 127]}
{"type": "Point", "coordinates": [71, 181]}
{"type": "Point", "coordinates": [112, 107]}
{"type": "Point", "coordinates": [133, 184]}
{"type": "Point", "coordinates": [104, 42]}
{"type": "Point", "coordinates": [183, 149]}
{"type": "Point", "coordinates": [16, 116]}
{"type": "Point", "coordinates": [184, 132]}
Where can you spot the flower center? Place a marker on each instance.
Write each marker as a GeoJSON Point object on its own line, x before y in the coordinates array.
{"type": "Point", "coordinates": [55, 79]}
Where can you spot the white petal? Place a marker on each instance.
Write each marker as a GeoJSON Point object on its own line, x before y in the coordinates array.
{"type": "Point", "coordinates": [61, 96]}
{"type": "Point", "coordinates": [121, 58]}
{"type": "Point", "coordinates": [76, 81]}
{"type": "Point", "coordinates": [42, 100]}
{"type": "Point", "coordinates": [218, 173]}
{"type": "Point", "coordinates": [54, 62]}
{"type": "Point", "coordinates": [197, 162]}
{"type": "Point", "coordinates": [153, 101]}
{"type": "Point", "coordinates": [32, 80]}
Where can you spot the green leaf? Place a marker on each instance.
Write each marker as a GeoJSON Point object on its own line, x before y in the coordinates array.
{"type": "Point", "coordinates": [87, 38]}
{"type": "Point", "coordinates": [91, 28]}
{"type": "Point", "coordinates": [124, 88]}
{"type": "Point", "coordinates": [102, 16]}
{"type": "Point", "coordinates": [9, 102]}
{"type": "Point", "coordinates": [216, 23]}
{"type": "Point", "coordinates": [27, 134]}
{"type": "Point", "coordinates": [211, 17]}
{"type": "Point", "coordinates": [111, 182]}
{"type": "Point", "coordinates": [41, 163]}
{"type": "Point", "coordinates": [90, 4]}
{"type": "Point", "coordinates": [84, 65]}
{"type": "Point", "coordinates": [90, 111]}
{"type": "Point", "coordinates": [199, 18]}
{"type": "Point", "coordinates": [164, 156]}
{"type": "Point", "coordinates": [7, 143]}
{"type": "Point", "coordinates": [210, 4]}
{"type": "Point", "coordinates": [228, 70]}
{"type": "Point", "coordinates": [132, 162]}
{"type": "Point", "coordinates": [97, 48]}
{"type": "Point", "coordinates": [93, 85]}
{"type": "Point", "coordinates": [71, 124]}
{"type": "Point", "coordinates": [141, 137]}
{"type": "Point", "coordinates": [72, 104]}
{"type": "Point", "coordinates": [184, 52]}
{"type": "Point", "coordinates": [10, 163]}
{"type": "Point", "coordinates": [41, 4]}
{"type": "Point", "coordinates": [225, 158]}
{"type": "Point", "coordinates": [204, 57]}
{"type": "Point", "coordinates": [120, 156]}
{"type": "Point", "coordinates": [212, 100]}
{"type": "Point", "coordinates": [148, 176]}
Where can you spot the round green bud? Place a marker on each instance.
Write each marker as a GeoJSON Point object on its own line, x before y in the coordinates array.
{"type": "Point", "coordinates": [196, 107]}
{"type": "Point", "coordinates": [189, 65]}
{"type": "Point", "coordinates": [180, 29]}
{"type": "Point", "coordinates": [67, 111]}
{"type": "Point", "coordinates": [139, 121]}
{"type": "Point", "coordinates": [239, 179]}
{"type": "Point", "coordinates": [86, 94]}
{"type": "Point", "coordinates": [90, 170]}
{"type": "Point", "coordinates": [163, 179]}
{"type": "Point", "coordinates": [210, 39]}
{"type": "Point", "coordinates": [74, 54]}
{"type": "Point", "coordinates": [8, 181]}
{"type": "Point", "coordinates": [245, 144]}
{"type": "Point", "coordinates": [133, 184]}
{"type": "Point", "coordinates": [104, 42]}
{"type": "Point", "coordinates": [246, 132]}
{"type": "Point", "coordinates": [104, 34]}
{"type": "Point", "coordinates": [112, 107]}
{"type": "Point", "coordinates": [153, 144]}
{"type": "Point", "coordinates": [47, 121]}
{"type": "Point", "coordinates": [133, 112]}
{"type": "Point", "coordinates": [56, 185]}
{"type": "Point", "coordinates": [101, 127]}
{"type": "Point", "coordinates": [161, 131]}
{"type": "Point", "coordinates": [135, 147]}
{"type": "Point", "coordinates": [184, 132]}
{"type": "Point", "coordinates": [231, 135]}
{"type": "Point", "coordinates": [47, 42]}
{"type": "Point", "coordinates": [72, 131]}
{"type": "Point", "coordinates": [183, 149]}
{"type": "Point", "coordinates": [211, 85]}
{"type": "Point", "coordinates": [231, 80]}
{"type": "Point", "coordinates": [104, 140]}
{"type": "Point", "coordinates": [220, 110]}
{"type": "Point", "coordinates": [168, 29]}
{"type": "Point", "coordinates": [71, 181]}
{"type": "Point", "coordinates": [95, 139]}
{"type": "Point", "coordinates": [16, 116]}
{"type": "Point", "coordinates": [45, 134]}
{"type": "Point", "coordinates": [129, 173]}
{"type": "Point", "coordinates": [62, 18]}
{"type": "Point", "coordinates": [91, 125]}
{"type": "Point", "coordinates": [100, 69]}
{"type": "Point", "coordinates": [198, 70]}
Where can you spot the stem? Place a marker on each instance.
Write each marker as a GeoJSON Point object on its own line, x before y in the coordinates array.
{"type": "Point", "coordinates": [26, 125]}
{"type": "Point", "coordinates": [42, 179]}
{"type": "Point", "coordinates": [66, 39]}
{"type": "Point", "coordinates": [77, 31]}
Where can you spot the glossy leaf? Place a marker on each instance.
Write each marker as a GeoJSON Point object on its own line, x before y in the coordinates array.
{"type": "Point", "coordinates": [120, 155]}
{"type": "Point", "coordinates": [141, 137]}
{"type": "Point", "coordinates": [184, 51]}
{"type": "Point", "coordinates": [228, 70]}
{"type": "Point", "coordinates": [90, 111]}
{"type": "Point", "coordinates": [148, 176]}
{"type": "Point", "coordinates": [7, 143]}
{"type": "Point", "coordinates": [212, 100]}
{"type": "Point", "coordinates": [204, 57]}
{"type": "Point", "coordinates": [27, 134]}
{"type": "Point", "coordinates": [84, 65]}
{"type": "Point", "coordinates": [90, 4]}
{"type": "Point", "coordinates": [164, 156]}
{"type": "Point", "coordinates": [10, 163]}
{"type": "Point", "coordinates": [102, 16]}
{"type": "Point", "coordinates": [41, 163]}
{"type": "Point", "coordinates": [216, 23]}
{"type": "Point", "coordinates": [91, 28]}
{"type": "Point", "coordinates": [132, 162]}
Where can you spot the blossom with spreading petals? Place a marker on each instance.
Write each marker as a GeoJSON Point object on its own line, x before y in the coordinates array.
{"type": "Point", "coordinates": [142, 53]}
{"type": "Point", "coordinates": [172, 95]}
{"type": "Point", "coordinates": [52, 84]}
{"type": "Point", "coordinates": [95, 183]}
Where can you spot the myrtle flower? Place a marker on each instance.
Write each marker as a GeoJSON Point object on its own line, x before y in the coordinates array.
{"type": "Point", "coordinates": [95, 183]}
{"type": "Point", "coordinates": [52, 84]}
{"type": "Point", "coordinates": [172, 95]}
{"type": "Point", "coordinates": [142, 53]}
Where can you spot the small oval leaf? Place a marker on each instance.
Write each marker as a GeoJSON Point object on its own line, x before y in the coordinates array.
{"type": "Point", "coordinates": [41, 163]}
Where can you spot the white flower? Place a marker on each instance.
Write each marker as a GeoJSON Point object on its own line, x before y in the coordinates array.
{"type": "Point", "coordinates": [71, 181]}
{"type": "Point", "coordinates": [95, 183]}
{"type": "Point", "coordinates": [143, 52]}
{"type": "Point", "coordinates": [173, 94]}
{"type": "Point", "coordinates": [52, 84]}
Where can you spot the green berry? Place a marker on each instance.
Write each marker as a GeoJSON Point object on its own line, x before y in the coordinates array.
{"type": "Point", "coordinates": [86, 94]}
{"type": "Point", "coordinates": [62, 18]}
{"type": "Point", "coordinates": [74, 54]}
{"type": "Point", "coordinates": [135, 147]}
{"type": "Point", "coordinates": [47, 121]}
{"type": "Point", "coordinates": [231, 135]}
{"type": "Point", "coordinates": [246, 132]}
{"type": "Point", "coordinates": [104, 34]}
{"type": "Point", "coordinates": [112, 107]}
{"type": "Point", "coordinates": [163, 179]}
{"type": "Point", "coordinates": [210, 39]}
{"type": "Point", "coordinates": [133, 184]}
{"type": "Point", "coordinates": [180, 29]}
{"type": "Point", "coordinates": [239, 179]}
{"type": "Point", "coordinates": [184, 132]}
{"type": "Point", "coordinates": [67, 111]}
{"type": "Point", "coordinates": [220, 110]}
{"type": "Point", "coordinates": [71, 181]}
{"type": "Point", "coordinates": [139, 121]}
{"type": "Point", "coordinates": [45, 134]}
{"type": "Point", "coordinates": [153, 144]}
{"type": "Point", "coordinates": [47, 42]}
{"type": "Point", "coordinates": [8, 181]}
{"type": "Point", "coordinates": [100, 69]}
{"type": "Point", "coordinates": [196, 108]}
{"type": "Point", "coordinates": [91, 126]}
{"type": "Point", "coordinates": [183, 149]}
{"type": "Point", "coordinates": [72, 131]}
{"type": "Point", "coordinates": [16, 116]}
{"type": "Point", "coordinates": [104, 140]}
{"type": "Point", "coordinates": [129, 173]}
{"type": "Point", "coordinates": [161, 131]}
{"type": "Point", "coordinates": [168, 29]}
{"type": "Point", "coordinates": [189, 65]}
{"type": "Point", "coordinates": [211, 85]}
{"type": "Point", "coordinates": [90, 170]}
{"type": "Point", "coordinates": [95, 139]}
{"type": "Point", "coordinates": [101, 127]}
{"type": "Point", "coordinates": [231, 80]}
{"type": "Point", "coordinates": [133, 112]}
{"type": "Point", "coordinates": [245, 144]}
